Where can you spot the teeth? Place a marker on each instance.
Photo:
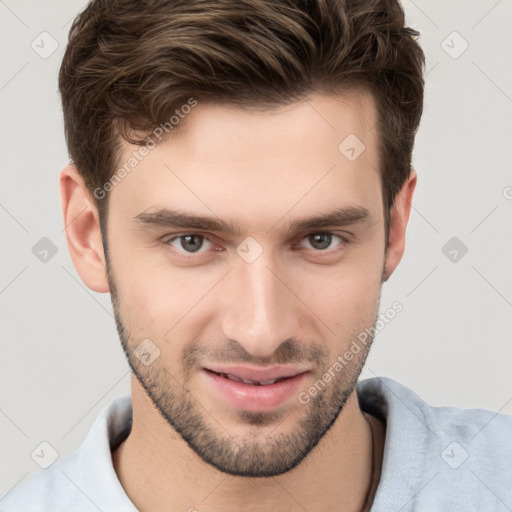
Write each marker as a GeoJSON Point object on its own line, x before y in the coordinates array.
{"type": "Point", "coordinates": [234, 377]}
{"type": "Point", "coordinates": [267, 382]}
{"type": "Point", "coordinates": [252, 382]}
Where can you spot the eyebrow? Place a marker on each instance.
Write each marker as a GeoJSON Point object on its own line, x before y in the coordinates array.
{"type": "Point", "coordinates": [169, 218]}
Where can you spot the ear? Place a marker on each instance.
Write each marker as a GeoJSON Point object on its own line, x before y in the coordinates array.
{"type": "Point", "coordinates": [399, 217]}
{"type": "Point", "coordinates": [81, 221]}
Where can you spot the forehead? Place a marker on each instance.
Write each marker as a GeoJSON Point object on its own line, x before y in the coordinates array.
{"type": "Point", "coordinates": [219, 133]}
{"type": "Point", "coordinates": [230, 161]}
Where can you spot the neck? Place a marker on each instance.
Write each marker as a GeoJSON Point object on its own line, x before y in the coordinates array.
{"type": "Point", "coordinates": [156, 467]}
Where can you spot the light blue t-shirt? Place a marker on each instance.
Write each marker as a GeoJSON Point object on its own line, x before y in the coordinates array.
{"type": "Point", "coordinates": [435, 459]}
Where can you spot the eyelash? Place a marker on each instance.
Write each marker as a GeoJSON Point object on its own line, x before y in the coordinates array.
{"type": "Point", "coordinates": [343, 242]}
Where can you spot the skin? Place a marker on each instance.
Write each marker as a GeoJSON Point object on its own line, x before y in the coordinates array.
{"type": "Point", "coordinates": [260, 170]}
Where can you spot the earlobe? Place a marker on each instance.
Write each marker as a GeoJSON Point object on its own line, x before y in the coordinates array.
{"type": "Point", "coordinates": [399, 217]}
{"type": "Point", "coordinates": [83, 235]}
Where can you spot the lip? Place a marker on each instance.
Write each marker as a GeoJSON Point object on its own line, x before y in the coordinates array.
{"type": "Point", "coordinates": [258, 374]}
{"type": "Point", "coordinates": [254, 397]}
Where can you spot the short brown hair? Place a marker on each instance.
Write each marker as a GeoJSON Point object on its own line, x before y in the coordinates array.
{"type": "Point", "coordinates": [130, 64]}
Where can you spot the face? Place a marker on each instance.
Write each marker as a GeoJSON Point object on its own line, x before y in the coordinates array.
{"type": "Point", "coordinates": [250, 245]}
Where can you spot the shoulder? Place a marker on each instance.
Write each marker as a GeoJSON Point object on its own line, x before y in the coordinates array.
{"type": "Point", "coordinates": [390, 398]}
{"type": "Point", "coordinates": [439, 457]}
{"type": "Point", "coordinates": [84, 480]}
{"type": "Point", "coordinates": [46, 490]}
{"type": "Point", "coordinates": [395, 401]}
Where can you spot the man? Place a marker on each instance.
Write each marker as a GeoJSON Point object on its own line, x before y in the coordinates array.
{"type": "Point", "coordinates": [241, 184]}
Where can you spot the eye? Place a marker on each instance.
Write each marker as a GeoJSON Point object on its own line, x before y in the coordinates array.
{"type": "Point", "coordinates": [322, 241]}
{"type": "Point", "coordinates": [188, 243]}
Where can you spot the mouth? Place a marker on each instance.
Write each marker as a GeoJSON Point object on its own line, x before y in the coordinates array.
{"type": "Point", "coordinates": [236, 378]}
{"type": "Point", "coordinates": [256, 389]}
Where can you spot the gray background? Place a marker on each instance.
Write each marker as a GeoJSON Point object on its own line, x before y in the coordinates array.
{"type": "Point", "coordinates": [61, 361]}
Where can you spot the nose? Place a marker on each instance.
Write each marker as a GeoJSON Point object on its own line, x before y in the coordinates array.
{"type": "Point", "coordinates": [259, 310]}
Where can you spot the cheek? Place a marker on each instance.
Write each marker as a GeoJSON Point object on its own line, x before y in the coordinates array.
{"type": "Point", "coordinates": [157, 301]}
{"type": "Point", "coordinates": [345, 298]}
